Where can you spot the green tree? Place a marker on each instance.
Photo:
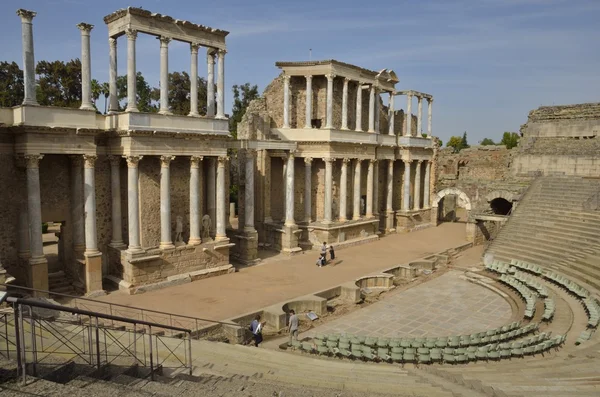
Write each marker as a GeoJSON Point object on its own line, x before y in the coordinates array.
{"type": "Point", "coordinates": [96, 91]}
{"type": "Point", "coordinates": [510, 139]}
{"type": "Point", "coordinates": [487, 142]}
{"type": "Point", "coordinates": [242, 96]}
{"type": "Point", "coordinates": [463, 142]}
{"type": "Point", "coordinates": [144, 94]}
{"type": "Point", "coordinates": [11, 84]}
{"type": "Point", "coordinates": [179, 93]}
{"type": "Point", "coordinates": [105, 91]}
{"type": "Point", "coordinates": [59, 83]}
{"type": "Point", "coordinates": [455, 142]}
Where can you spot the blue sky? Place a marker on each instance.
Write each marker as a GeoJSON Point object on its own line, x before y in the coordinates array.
{"type": "Point", "coordinates": [487, 62]}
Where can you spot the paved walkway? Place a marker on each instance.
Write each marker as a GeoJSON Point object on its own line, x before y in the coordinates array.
{"type": "Point", "coordinates": [446, 305]}
{"type": "Point", "coordinates": [282, 278]}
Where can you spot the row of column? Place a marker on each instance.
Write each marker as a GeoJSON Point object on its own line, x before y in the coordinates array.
{"type": "Point", "coordinates": [372, 191]}
{"type": "Point", "coordinates": [409, 97]}
{"type": "Point", "coordinates": [373, 103]}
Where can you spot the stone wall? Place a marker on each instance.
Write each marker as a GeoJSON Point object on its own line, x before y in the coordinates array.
{"type": "Point", "coordinates": [580, 120]}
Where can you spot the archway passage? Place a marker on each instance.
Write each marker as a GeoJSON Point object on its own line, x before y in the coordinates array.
{"type": "Point", "coordinates": [446, 203]}
{"type": "Point", "coordinates": [501, 206]}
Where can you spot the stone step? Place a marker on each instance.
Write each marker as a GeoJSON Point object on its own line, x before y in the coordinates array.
{"type": "Point", "coordinates": [551, 233]}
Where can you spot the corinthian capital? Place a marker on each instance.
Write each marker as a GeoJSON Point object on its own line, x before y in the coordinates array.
{"type": "Point", "coordinates": [33, 161]}
{"type": "Point", "coordinates": [222, 160]}
{"type": "Point", "coordinates": [131, 34]}
{"type": "Point", "coordinates": [85, 27]}
{"type": "Point", "coordinates": [115, 161]}
{"type": "Point", "coordinates": [164, 40]}
{"type": "Point", "coordinates": [330, 76]}
{"type": "Point", "coordinates": [308, 160]}
{"type": "Point", "coordinates": [194, 47]}
{"type": "Point", "coordinates": [132, 161]}
{"type": "Point", "coordinates": [195, 161]}
{"type": "Point", "coordinates": [166, 160]}
{"type": "Point", "coordinates": [89, 160]}
{"type": "Point", "coordinates": [26, 15]}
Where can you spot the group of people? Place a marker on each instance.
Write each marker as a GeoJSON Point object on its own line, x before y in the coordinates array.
{"type": "Point", "coordinates": [256, 327]}
{"type": "Point", "coordinates": [322, 261]}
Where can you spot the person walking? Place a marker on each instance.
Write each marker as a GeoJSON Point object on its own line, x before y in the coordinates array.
{"type": "Point", "coordinates": [331, 252]}
{"type": "Point", "coordinates": [256, 328]}
{"type": "Point", "coordinates": [324, 252]}
{"type": "Point", "coordinates": [293, 327]}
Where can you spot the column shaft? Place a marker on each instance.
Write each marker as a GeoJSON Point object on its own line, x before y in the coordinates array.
{"type": "Point", "coordinates": [115, 190]}
{"type": "Point", "coordinates": [164, 75]}
{"type": "Point", "coordinates": [419, 115]}
{"type": "Point", "coordinates": [344, 191]}
{"type": "Point", "coordinates": [165, 202]}
{"type": "Point", "coordinates": [391, 115]}
{"type": "Point", "coordinates": [28, 56]}
{"type": "Point", "coordinates": [131, 72]}
{"type": "Point", "coordinates": [426, 203]}
{"type": "Point", "coordinates": [376, 206]}
{"type": "Point", "coordinates": [308, 118]}
{"type": "Point", "coordinates": [194, 80]}
{"type": "Point", "coordinates": [429, 103]}
{"type": "Point", "coordinates": [211, 193]}
{"type": "Point", "coordinates": [286, 101]}
{"type": "Point", "coordinates": [89, 192]}
{"type": "Point", "coordinates": [221, 85]}
{"type": "Point", "coordinates": [408, 116]}
{"type": "Point", "coordinates": [195, 212]}
{"type": "Point", "coordinates": [330, 78]}
{"type": "Point", "coordinates": [221, 200]}
{"type": "Point", "coordinates": [86, 67]}
{"type": "Point", "coordinates": [34, 207]}
{"type": "Point", "coordinates": [289, 192]}
{"type": "Point", "coordinates": [249, 192]}
{"type": "Point", "coordinates": [308, 189]}
{"type": "Point", "coordinates": [370, 189]}
{"type": "Point", "coordinates": [133, 203]}
{"type": "Point", "coordinates": [417, 203]}
{"type": "Point", "coordinates": [359, 107]}
{"type": "Point", "coordinates": [406, 188]}
{"type": "Point", "coordinates": [327, 216]}
{"type": "Point", "coordinates": [210, 83]}
{"type": "Point", "coordinates": [113, 100]}
{"type": "Point", "coordinates": [372, 109]}
{"type": "Point", "coordinates": [390, 187]}
{"type": "Point", "coordinates": [356, 187]}
{"type": "Point", "coordinates": [345, 105]}
{"type": "Point", "coordinates": [77, 215]}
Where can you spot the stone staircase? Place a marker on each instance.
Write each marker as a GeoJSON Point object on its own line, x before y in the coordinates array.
{"type": "Point", "coordinates": [59, 283]}
{"type": "Point", "coordinates": [551, 228]}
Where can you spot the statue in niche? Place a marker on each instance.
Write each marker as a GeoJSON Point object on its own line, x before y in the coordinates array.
{"type": "Point", "coordinates": [206, 227]}
{"type": "Point", "coordinates": [179, 230]}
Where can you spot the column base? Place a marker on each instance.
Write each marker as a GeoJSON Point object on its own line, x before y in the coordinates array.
{"type": "Point", "coordinates": [31, 102]}
{"type": "Point", "coordinates": [39, 274]}
{"type": "Point", "coordinates": [118, 244]}
{"type": "Point", "coordinates": [195, 241]}
{"type": "Point", "coordinates": [166, 245]}
{"type": "Point", "coordinates": [193, 114]}
{"type": "Point", "coordinates": [134, 250]}
{"type": "Point", "coordinates": [289, 239]}
{"type": "Point", "coordinates": [132, 110]}
{"type": "Point", "coordinates": [93, 271]}
{"type": "Point", "coordinates": [221, 237]}
{"type": "Point", "coordinates": [389, 221]}
{"type": "Point", "coordinates": [87, 106]}
{"type": "Point", "coordinates": [165, 112]}
{"type": "Point", "coordinates": [220, 117]}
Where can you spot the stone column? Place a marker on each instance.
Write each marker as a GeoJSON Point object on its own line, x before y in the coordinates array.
{"type": "Point", "coordinates": [133, 203]}
{"type": "Point", "coordinates": [249, 192]}
{"type": "Point", "coordinates": [37, 261]}
{"type": "Point", "coordinates": [308, 189]}
{"type": "Point", "coordinates": [419, 115]}
{"type": "Point", "coordinates": [164, 75]}
{"type": "Point", "coordinates": [417, 203]}
{"type": "Point", "coordinates": [426, 203]}
{"type": "Point", "coordinates": [131, 71]}
{"type": "Point", "coordinates": [370, 189]}
{"type": "Point", "coordinates": [356, 187]}
{"type": "Point", "coordinates": [211, 194]}
{"type": "Point", "coordinates": [344, 190]}
{"type": "Point", "coordinates": [286, 101]}
{"type": "Point", "coordinates": [389, 204]}
{"type": "Point", "coordinates": [115, 191]}
{"type": "Point", "coordinates": [327, 216]}
{"type": "Point", "coordinates": [221, 200]}
{"type": "Point", "coordinates": [359, 107]}
{"type": "Point", "coordinates": [406, 187]}
{"type": "Point", "coordinates": [166, 241]}
{"type": "Point", "coordinates": [429, 103]}
{"type": "Point", "coordinates": [221, 85]}
{"type": "Point", "coordinates": [330, 78]}
{"type": "Point", "coordinates": [89, 193]}
{"type": "Point", "coordinates": [285, 185]}
{"type": "Point", "coordinates": [195, 211]}
{"type": "Point", "coordinates": [194, 80]}
{"type": "Point", "coordinates": [77, 215]}
{"type": "Point", "coordinates": [289, 191]}
{"type": "Point", "coordinates": [86, 67]}
{"type": "Point", "coordinates": [28, 56]}
{"type": "Point", "coordinates": [308, 117]}
{"type": "Point", "coordinates": [372, 109]}
{"type": "Point", "coordinates": [345, 104]}
{"type": "Point", "coordinates": [391, 114]}
{"type": "Point", "coordinates": [376, 206]}
{"type": "Point", "coordinates": [23, 252]}
{"type": "Point", "coordinates": [210, 83]}
{"type": "Point", "coordinates": [113, 100]}
{"type": "Point", "coordinates": [408, 115]}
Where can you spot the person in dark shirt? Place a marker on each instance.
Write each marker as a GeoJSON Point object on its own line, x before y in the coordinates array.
{"type": "Point", "coordinates": [256, 328]}
{"type": "Point", "coordinates": [331, 252]}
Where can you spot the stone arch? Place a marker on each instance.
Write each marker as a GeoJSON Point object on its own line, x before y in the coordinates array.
{"type": "Point", "coordinates": [505, 194]}
{"type": "Point", "coordinates": [463, 199]}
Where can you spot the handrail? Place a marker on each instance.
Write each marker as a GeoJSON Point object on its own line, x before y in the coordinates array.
{"type": "Point", "coordinates": [110, 304]}
{"type": "Point", "coordinates": [50, 306]}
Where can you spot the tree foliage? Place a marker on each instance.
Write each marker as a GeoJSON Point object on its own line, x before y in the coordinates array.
{"type": "Point", "coordinates": [59, 83]}
{"type": "Point", "coordinates": [179, 93]}
{"type": "Point", "coordinates": [510, 139]}
{"type": "Point", "coordinates": [242, 96]}
{"type": "Point", "coordinates": [454, 142]}
{"type": "Point", "coordinates": [11, 84]}
{"type": "Point", "coordinates": [144, 94]}
{"type": "Point", "coordinates": [463, 142]}
{"type": "Point", "coordinates": [487, 142]}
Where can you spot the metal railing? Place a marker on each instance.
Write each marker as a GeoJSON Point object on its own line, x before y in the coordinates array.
{"type": "Point", "coordinates": [42, 336]}
{"type": "Point", "coordinates": [130, 312]}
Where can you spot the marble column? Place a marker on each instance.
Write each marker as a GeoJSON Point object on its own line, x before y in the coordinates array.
{"type": "Point", "coordinates": [221, 85]}
{"type": "Point", "coordinates": [115, 192]}
{"type": "Point", "coordinates": [344, 190]}
{"type": "Point", "coordinates": [249, 192]}
{"type": "Point", "coordinates": [426, 198]}
{"type": "Point", "coordinates": [210, 83]}
{"type": "Point", "coordinates": [133, 203]}
{"type": "Point", "coordinates": [406, 187]}
{"type": "Point", "coordinates": [308, 189]}
{"type": "Point", "coordinates": [429, 103]}
{"type": "Point", "coordinates": [195, 211]}
{"type": "Point", "coordinates": [345, 104]}
{"type": "Point", "coordinates": [329, 123]}
{"type": "Point", "coordinates": [164, 75]}
{"type": "Point", "coordinates": [327, 213]}
{"type": "Point", "coordinates": [308, 116]}
{"type": "Point", "coordinates": [113, 99]}
{"type": "Point", "coordinates": [356, 187]}
{"type": "Point", "coordinates": [166, 241]}
{"type": "Point", "coordinates": [89, 193]}
{"type": "Point", "coordinates": [211, 193]}
{"type": "Point", "coordinates": [34, 207]}
{"type": "Point", "coordinates": [391, 115]}
{"type": "Point", "coordinates": [286, 101]}
{"type": "Point", "coordinates": [221, 200]}
{"type": "Point", "coordinates": [289, 191]}
{"type": "Point", "coordinates": [389, 203]}
{"type": "Point", "coordinates": [194, 80]}
{"type": "Point", "coordinates": [376, 206]}
{"type": "Point", "coordinates": [86, 67]}
{"type": "Point", "coordinates": [372, 109]}
{"type": "Point", "coordinates": [28, 56]}
{"type": "Point", "coordinates": [417, 203]}
{"type": "Point", "coordinates": [419, 115]}
{"type": "Point", "coordinates": [408, 115]}
{"type": "Point", "coordinates": [369, 212]}
{"type": "Point", "coordinates": [359, 107]}
{"type": "Point", "coordinates": [23, 251]}
{"type": "Point", "coordinates": [77, 215]}
{"type": "Point", "coordinates": [131, 71]}
{"type": "Point", "coordinates": [285, 185]}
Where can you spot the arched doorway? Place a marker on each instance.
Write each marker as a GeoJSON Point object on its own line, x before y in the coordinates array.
{"type": "Point", "coordinates": [501, 206]}
{"type": "Point", "coordinates": [446, 203]}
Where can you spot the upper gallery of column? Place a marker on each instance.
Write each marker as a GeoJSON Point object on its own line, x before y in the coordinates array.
{"type": "Point", "coordinates": [333, 95]}
{"type": "Point", "coordinates": [418, 129]}
{"type": "Point", "coordinates": [133, 21]}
